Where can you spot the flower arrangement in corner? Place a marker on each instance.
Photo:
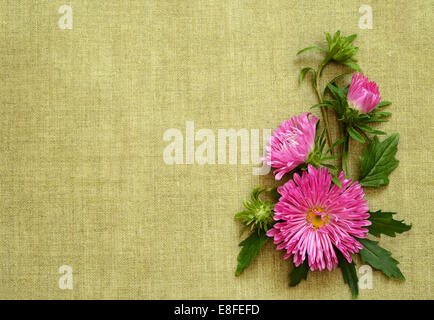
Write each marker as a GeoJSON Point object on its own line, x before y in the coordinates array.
{"type": "Point", "coordinates": [319, 217]}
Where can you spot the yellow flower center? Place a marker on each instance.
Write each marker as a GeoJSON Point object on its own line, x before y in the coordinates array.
{"type": "Point", "coordinates": [317, 217]}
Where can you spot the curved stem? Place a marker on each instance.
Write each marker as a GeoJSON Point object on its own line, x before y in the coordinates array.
{"type": "Point", "coordinates": [323, 108]}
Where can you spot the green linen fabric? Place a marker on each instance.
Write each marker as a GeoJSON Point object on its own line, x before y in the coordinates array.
{"type": "Point", "coordinates": [83, 112]}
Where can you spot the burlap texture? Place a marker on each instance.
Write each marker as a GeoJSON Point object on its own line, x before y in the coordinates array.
{"type": "Point", "coordinates": [82, 117]}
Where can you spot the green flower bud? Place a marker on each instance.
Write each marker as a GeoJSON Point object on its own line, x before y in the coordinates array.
{"type": "Point", "coordinates": [258, 213]}
{"type": "Point", "coordinates": [341, 49]}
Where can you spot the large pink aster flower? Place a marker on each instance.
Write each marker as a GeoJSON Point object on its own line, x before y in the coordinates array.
{"type": "Point", "coordinates": [363, 95]}
{"type": "Point", "coordinates": [291, 144]}
{"type": "Point", "coordinates": [316, 218]}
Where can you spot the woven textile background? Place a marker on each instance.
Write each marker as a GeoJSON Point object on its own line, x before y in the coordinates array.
{"type": "Point", "coordinates": [82, 117]}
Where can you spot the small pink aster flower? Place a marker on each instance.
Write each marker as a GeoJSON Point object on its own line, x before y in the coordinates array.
{"type": "Point", "coordinates": [316, 218]}
{"type": "Point", "coordinates": [363, 95]}
{"type": "Point", "coordinates": [291, 144]}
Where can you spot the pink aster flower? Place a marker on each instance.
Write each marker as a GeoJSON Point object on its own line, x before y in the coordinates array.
{"type": "Point", "coordinates": [363, 95]}
{"type": "Point", "coordinates": [291, 144]}
{"type": "Point", "coordinates": [315, 218]}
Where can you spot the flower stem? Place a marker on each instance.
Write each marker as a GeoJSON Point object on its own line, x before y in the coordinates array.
{"type": "Point", "coordinates": [323, 108]}
{"type": "Point", "coordinates": [345, 148]}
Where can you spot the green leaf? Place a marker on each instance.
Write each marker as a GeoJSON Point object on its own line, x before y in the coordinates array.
{"type": "Point", "coordinates": [298, 273]}
{"type": "Point", "coordinates": [340, 94]}
{"type": "Point", "coordinates": [303, 73]}
{"type": "Point", "coordinates": [310, 48]}
{"type": "Point", "coordinates": [331, 167]}
{"type": "Point", "coordinates": [275, 196]}
{"type": "Point", "coordinates": [368, 129]}
{"type": "Point", "coordinates": [337, 106]}
{"type": "Point", "coordinates": [337, 92]}
{"type": "Point", "coordinates": [332, 82]}
{"type": "Point", "coordinates": [372, 120]}
{"type": "Point", "coordinates": [383, 114]}
{"type": "Point", "coordinates": [329, 39]}
{"type": "Point", "coordinates": [336, 181]}
{"type": "Point", "coordinates": [355, 135]}
{"type": "Point", "coordinates": [351, 37]}
{"type": "Point", "coordinates": [379, 258]}
{"type": "Point", "coordinates": [338, 142]}
{"type": "Point", "coordinates": [383, 104]}
{"type": "Point", "coordinates": [383, 223]}
{"type": "Point", "coordinates": [378, 161]}
{"type": "Point", "coordinates": [322, 140]}
{"type": "Point", "coordinates": [251, 247]}
{"type": "Point", "coordinates": [349, 273]}
{"type": "Point", "coordinates": [335, 156]}
{"type": "Point", "coordinates": [352, 65]}
{"type": "Point", "coordinates": [320, 105]}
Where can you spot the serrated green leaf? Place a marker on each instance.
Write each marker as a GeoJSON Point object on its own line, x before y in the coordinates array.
{"type": "Point", "coordinates": [303, 73]}
{"type": "Point", "coordinates": [310, 48]}
{"type": "Point", "coordinates": [378, 161]}
{"type": "Point", "coordinates": [349, 273]}
{"type": "Point", "coordinates": [251, 247]}
{"type": "Point", "coordinates": [355, 135]}
{"type": "Point", "coordinates": [298, 273]}
{"type": "Point", "coordinates": [383, 223]}
{"type": "Point", "coordinates": [379, 258]}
